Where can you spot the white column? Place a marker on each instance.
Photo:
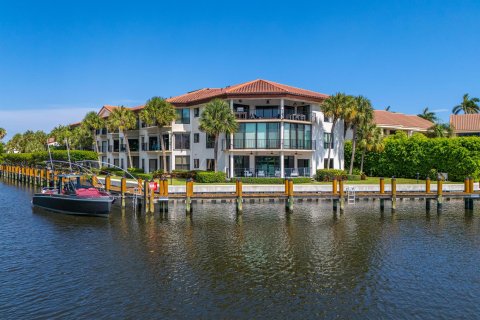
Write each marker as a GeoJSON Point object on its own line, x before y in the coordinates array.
{"type": "Point", "coordinates": [282, 112]}
{"type": "Point", "coordinates": [282, 165]}
{"type": "Point", "coordinates": [282, 107]}
{"type": "Point", "coordinates": [231, 104]}
{"type": "Point", "coordinates": [231, 165]}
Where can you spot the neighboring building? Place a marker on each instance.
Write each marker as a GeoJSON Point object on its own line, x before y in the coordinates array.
{"type": "Point", "coordinates": [391, 122]}
{"type": "Point", "coordinates": [282, 132]}
{"type": "Point", "coordinates": [465, 124]}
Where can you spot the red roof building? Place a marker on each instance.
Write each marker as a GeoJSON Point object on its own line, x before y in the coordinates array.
{"type": "Point", "coordinates": [391, 122]}
{"type": "Point", "coordinates": [465, 124]}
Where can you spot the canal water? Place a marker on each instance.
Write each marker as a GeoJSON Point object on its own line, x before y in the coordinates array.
{"type": "Point", "coordinates": [263, 264]}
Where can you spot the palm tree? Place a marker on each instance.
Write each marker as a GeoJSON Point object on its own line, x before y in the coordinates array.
{"type": "Point", "coordinates": [93, 122]}
{"type": "Point", "coordinates": [387, 108]}
{"type": "Point", "coordinates": [363, 117]}
{"type": "Point", "coordinates": [3, 133]}
{"type": "Point", "coordinates": [333, 107]}
{"type": "Point", "coordinates": [159, 112]}
{"type": "Point", "coordinates": [122, 119]}
{"type": "Point", "coordinates": [217, 118]}
{"type": "Point", "coordinates": [371, 139]}
{"type": "Point", "coordinates": [428, 115]}
{"type": "Point", "coordinates": [441, 130]}
{"type": "Point", "coordinates": [467, 105]}
{"type": "Point", "coordinates": [348, 116]}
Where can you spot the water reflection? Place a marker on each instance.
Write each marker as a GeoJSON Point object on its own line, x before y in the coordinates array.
{"type": "Point", "coordinates": [216, 263]}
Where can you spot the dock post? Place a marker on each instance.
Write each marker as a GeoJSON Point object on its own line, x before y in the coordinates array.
{"type": "Point", "coordinates": [466, 185]}
{"type": "Point", "coordinates": [189, 193]}
{"type": "Point", "coordinates": [290, 195]}
{"type": "Point", "coordinates": [239, 193]}
{"type": "Point", "coordinates": [342, 195]}
{"type": "Point", "coordinates": [382, 185]}
{"type": "Point", "coordinates": [471, 183]}
{"type": "Point", "coordinates": [286, 187]}
{"type": "Point", "coordinates": [382, 205]}
{"type": "Point", "coordinates": [334, 186]}
{"type": "Point", "coordinates": [123, 190]}
{"type": "Point", "coordinates": [164, 194]}
{"type": "Point", "coordinates": [146, 207]}
{"type": "Point", "coordinates": [427, 185]}
{"type": "Point", "coordinates": [152, 199]}
{"type": "Point", "coordinates": [335, 205]}
{"type": "Point", "coordinates": [394, 194]}
{"type": "Point", "coordinates": [439, 195]}
{"type": "Point", "coordinates": [427, 204]}
{"type": "Point", "coordinates": [108, 183]}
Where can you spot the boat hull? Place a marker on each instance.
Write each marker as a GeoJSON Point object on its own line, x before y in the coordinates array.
{"type": "Point", "coordinates": [100, 206]}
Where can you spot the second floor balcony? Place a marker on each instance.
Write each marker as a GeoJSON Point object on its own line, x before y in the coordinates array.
{"type": "Point", "coordinates": [154, 147]}
{"type": "Point", "coordinates": [247, 144]}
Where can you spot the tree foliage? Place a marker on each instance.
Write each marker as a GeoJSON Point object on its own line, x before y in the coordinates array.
{"type": "Point", "coordinates": [428, 115]}
{"type": "Point", "coordinates": [122, 119]}
{"type": "Point", "coordinates": [217, 118]}
{"type": "Point", "coordinates": [39, 158]}
{"type": "Point", "coordinates": [467, 106]}
{"type": "Point", "coordinates": [404, 157]}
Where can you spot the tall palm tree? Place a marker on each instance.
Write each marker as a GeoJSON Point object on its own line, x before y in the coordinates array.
{"type": "Point", "coordinates": [363, 117]}
{"type": "Point", "coordinates": [467, 106]}
{"type": "Point", "coordinates": [348, 116]}
{"type": "Point", "coordinates": [217, 118]}
{"type": "Point", "coordinates": [3, 133]}
{"type": "Point", "coordinates": [159, 112]}
{"type": "Point", "coordinates": [333, 107]}
{"type": "Point", "coordinates": [428, 115]}
{"type": "Point", "coordinates": [387, 108]}
{"type": "Point", "coordinates": [370, 139]}
{"type": "Point", "coordinates": [122, 119]}
{"type": "Point", "coordinates": [93, 122]}
{"type": "Point", "coordinates": [441, 130]}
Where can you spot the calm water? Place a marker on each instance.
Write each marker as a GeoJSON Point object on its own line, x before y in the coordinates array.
{"type": "Point", "coordinates": [263, 264]}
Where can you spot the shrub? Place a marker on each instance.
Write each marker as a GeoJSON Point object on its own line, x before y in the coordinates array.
{"type": "Point", "coordinates": [135, 170]}
{"type": "Point", "coordinates": [143, 176]}
{"type": "Point", "coordinates": [210, 177]}
{"type": "Point", "coordinates": [39, 158]}
{"type": "Point", "coordinates": [255, 180]}
{"type": "Point", "coordinates": [404, 157]}
{"type": "Point", "coordinates": [184, 174]}
{"type": "Point", "coordinates": [157, 174]}
{"type": "Point", "coordinates": [330, 174]}
{"type": "Point", "coordinates": [354, 177]}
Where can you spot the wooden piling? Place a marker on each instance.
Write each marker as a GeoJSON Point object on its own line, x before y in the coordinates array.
{"type": "Point", "coordinates": [427, 185]}
{"type": "Point", "coordinates": [334, 186]}
{"type": "Point", "coordinates": [439, 194]}
{"type": "Point", "coordinates": [290, 195]}
{"type": "Point", "coordinates": [471, 185]}
{"type": "Point", "coordinates": [189, 194]}
{"type": "Point", "coordinates": [108, 183]}
{"type": "Point", "coordinates": [123, 191]}
{"type": "Point", "coordinates": [341, 192]}
{"type": "Point", "coordinates": [382, 185]}
{"type": "Point", "coordinates": [466, 185]}
{"type": "Point", "coordinates": [146, 206]}
{"type": "Point", "coordinates": [394, 194]}
{"type": "Point", "coordinates": [239, 194]}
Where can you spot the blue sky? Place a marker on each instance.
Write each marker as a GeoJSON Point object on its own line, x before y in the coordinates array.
{"type": "Point", "coordinates": [59, 59]}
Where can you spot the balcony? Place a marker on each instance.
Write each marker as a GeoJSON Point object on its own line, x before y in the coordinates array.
{"type": "Point", "coordinates": [244, 144]}
{"type": "Point", "coordinates": [103, 149]}
{"type": "Point", "coordinates": [291, 116]}
{"type": "Point", "coordinates": [271, 172]}
{"type": "Point", "coordinates": [113, 148]}
{"type": "Point", "coordinates": [154, 147]}
{"type": "Point", "coordinates": [101, 132]}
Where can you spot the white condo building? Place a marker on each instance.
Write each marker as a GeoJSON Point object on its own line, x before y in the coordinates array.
{"type": "Point", "coordinates": [282, 133]}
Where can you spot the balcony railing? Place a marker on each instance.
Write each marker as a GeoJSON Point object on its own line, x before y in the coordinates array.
{"type": "Point", "coordinates": [271, 172]}
{"type": "Point", "coordinates": [154, 147]}
{"type": "Point", "coordinates": [103, 149]}
{"type": "Point", "coordinates": [240, 144]}
{"type": "Point", "coordinates": [100, 131]}
{"type": "Point", "coordinates": [293, 116]}
{"type": "Point", "coordinates": [113, 148]}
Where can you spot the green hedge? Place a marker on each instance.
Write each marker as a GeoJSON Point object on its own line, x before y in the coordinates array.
{"type": "Point", "coordinates": [404, 156]}
{"type": "Point", "coordinates": [330, 174]}
{"type": "Point", "coordinates": [255, 180]}
{"type": "Point", "coordinates": [210, 177]}
{"type": "Point", "coordinates": [38, 158]}
{"type": "Point", "coordinates": [184, 174]}
{"type": "Point", "coordinates": [157, 174]}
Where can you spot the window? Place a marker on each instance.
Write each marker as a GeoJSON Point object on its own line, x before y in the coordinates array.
{"type": "Point", "coordinates": [325, 164]}
{"type": "Point", "coordinates": [210, 164]}
{"type": "Point", "coordinates": [327, 119]}
{"type": "Point", "coordinates": [121, 163]}
{"type": "Point", "coordinates": [182, 141]}
{"type": "Point", "coordinates": [196, 163]}
{"type": "Point", "coordinates": [182, 163]}
{"type": "Point", "coordinates": [143, 164]}
{"type": "Point", "coordinates": [183, 116]}
{"type": "Point", "coordinates": [267, 112]}
{"type": "Point", "coordinates": [210, 141]}
{"type": "Point", "coordinates": [297, 136]}
{"type": "Point", "coordinates": [196, 112]}
{"type": "Point", "coordinates": [152, 165]}
{"type": "Point", "coordinates": [196, 137]}
{"type": "Point", "coordinates": [327, 140]}
{"type": "Point", "coordinates": [259, 135]}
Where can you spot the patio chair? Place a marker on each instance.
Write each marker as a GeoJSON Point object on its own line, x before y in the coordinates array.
{"type": "Point", "coordinates": [277, 173]}
{"type": "Point", "coordinates": [247, 173]}
{"type": "Point", "coordinates": [294, 173]}
{"type": "Point", "coordinates": [261, 173]}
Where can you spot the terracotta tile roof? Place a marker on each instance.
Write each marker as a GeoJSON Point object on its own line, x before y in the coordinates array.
{"type": "Point", "coordinates": [110, 108]}
{"type": "Point", "coordinates": [465, 122]}
{"type": "Point", "coordinates": [253, 88]}
{"type": "Point", "coordinates": [399, 120]}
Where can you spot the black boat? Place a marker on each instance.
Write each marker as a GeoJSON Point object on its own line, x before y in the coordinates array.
{"type": "Point", "coordinates": [73, 198]}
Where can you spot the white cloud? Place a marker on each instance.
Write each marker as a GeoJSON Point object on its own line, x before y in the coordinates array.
{"type": "Point", "coordinates": [17, 121]}
{"type": "Point", "coordinates": [440, 110]}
